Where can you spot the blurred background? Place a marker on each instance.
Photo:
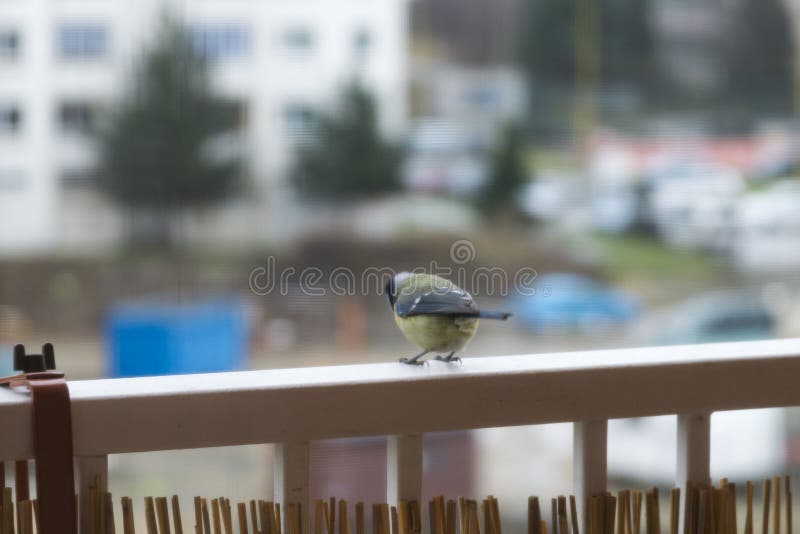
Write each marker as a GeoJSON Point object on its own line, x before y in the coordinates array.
{"type": "Point", "coordinates": [162, 161]}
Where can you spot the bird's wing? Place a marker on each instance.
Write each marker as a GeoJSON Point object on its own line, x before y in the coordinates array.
{"type": "Point", "coordinates": [439, 301]}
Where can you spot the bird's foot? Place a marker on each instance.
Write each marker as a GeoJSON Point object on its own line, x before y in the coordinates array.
{"type": "Point", "coordinates": [413, 361]}
{"type": "Point", "coordinates": [416, 359]}
{"type": "Point", "coordinates": [449, 358]}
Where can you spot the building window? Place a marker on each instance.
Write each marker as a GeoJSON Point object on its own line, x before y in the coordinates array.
{"type": "Point", "coordinates": [10, 119]}
{"type": "Point", "coordinates": [11, 181]}
{"type": "Point", "coordinates": [78, 177]}
{"type": "Point", "coordinates": [9, 44]}
{"type": "Point", "coordinates": [362, 41]}
{"type": "Point", "coordinates": [298, 123]}
{"type": "Point", "coordinates": [76, 118]}
{"type": "Point", "coordinates": [221, 42]}
{"type": "Point", "coordinates": [298, 40]}
{"type": "Point", "coordinates": [82, 41]}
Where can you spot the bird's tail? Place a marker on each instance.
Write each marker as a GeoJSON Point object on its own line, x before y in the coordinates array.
{"type": "Point", "coordinates": [501, 316]}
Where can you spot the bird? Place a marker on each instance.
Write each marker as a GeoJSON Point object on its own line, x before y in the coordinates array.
{"type": "Point", "coordinates": [435, 314]}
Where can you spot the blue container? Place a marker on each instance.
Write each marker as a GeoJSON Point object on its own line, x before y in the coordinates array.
{"type": "Point", "coordinates": [149, 338]}
{"type": "Point", "coordinates": [6, 360]}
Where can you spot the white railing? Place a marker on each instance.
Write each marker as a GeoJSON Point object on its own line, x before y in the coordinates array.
{"type": "Point", "coordinates": [291, 407]}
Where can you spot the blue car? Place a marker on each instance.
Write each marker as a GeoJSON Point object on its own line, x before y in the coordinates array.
{"type": "Point", "coordinates": [568, 300]}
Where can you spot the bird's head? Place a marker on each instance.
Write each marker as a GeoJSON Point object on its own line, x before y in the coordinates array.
{"type": "Point", "coordinates": [393, 286]}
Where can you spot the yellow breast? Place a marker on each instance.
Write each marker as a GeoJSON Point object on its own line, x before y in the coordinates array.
{"type": "Point", "coordinates": [438, 333]}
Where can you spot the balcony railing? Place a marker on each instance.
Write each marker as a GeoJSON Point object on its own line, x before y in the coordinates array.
{"type": "Point", "coordinates": [291, 407]}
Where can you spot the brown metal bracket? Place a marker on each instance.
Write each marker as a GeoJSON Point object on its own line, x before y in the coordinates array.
{"type": "Point", "coordinates": [52, 437]}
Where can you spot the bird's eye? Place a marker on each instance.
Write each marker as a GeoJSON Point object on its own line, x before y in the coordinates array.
{"type": "Point", "coordinates": [390, 291]}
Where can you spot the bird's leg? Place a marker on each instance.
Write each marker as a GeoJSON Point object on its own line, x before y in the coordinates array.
{"type": "Point", "coordinates": [416, 359]}
{"type": "Point", "coordinates": [449, 358]}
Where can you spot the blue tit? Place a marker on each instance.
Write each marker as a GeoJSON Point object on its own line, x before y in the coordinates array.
{"type": "Point", "coordinates": [434, 314]}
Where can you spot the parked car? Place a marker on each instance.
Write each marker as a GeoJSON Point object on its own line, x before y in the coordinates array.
{"type": "Point", "coordinates": [569, 300]}
{"type": "Point", "coordinates": [551, 195]}
{"type": "Point", "coordinates": [695, 207]}
{"type": "Point", "coordinates": [712, 317]}
{"type": "Point", "coordinates": [446, 156]}
{"type": "Point", "coordinates": [768, 229]}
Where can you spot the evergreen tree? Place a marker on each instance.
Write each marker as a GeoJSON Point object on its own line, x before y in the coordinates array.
{"type": "Point", "coordinates": [157, 153]}
{"type": "Point", "coordinates": [507, 174]}
{"type": "Point", "coordinates": [758, 57]}
{"type": "Point", "coordinates": [546, 42]}
{"type": "Point", "coordinates": [627, 44]}
{"type": "Point", "coordinates": [547, 47]}
{"type": "Point", "coordinates": [347, 158]}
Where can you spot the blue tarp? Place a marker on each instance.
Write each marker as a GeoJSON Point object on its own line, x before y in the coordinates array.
{"type": "Point", "coordinates": [154, 338]}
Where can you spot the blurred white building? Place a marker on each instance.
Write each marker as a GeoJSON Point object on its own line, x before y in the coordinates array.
{"type": "Point", "coordinates": [688, 36]}
{"type": "Point", "coordinates": [62, 63]}
{"type": "Point", "coordinates": [460, 110]}
{"type": "Point", "coordinates": [490, 94]}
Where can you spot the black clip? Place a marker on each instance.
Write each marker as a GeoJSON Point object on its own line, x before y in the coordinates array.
{"type": "Point", "coordinates": [34, 363]}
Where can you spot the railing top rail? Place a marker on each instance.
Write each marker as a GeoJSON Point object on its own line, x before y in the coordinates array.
{"type": "Point", "coordinates": [192, 411]}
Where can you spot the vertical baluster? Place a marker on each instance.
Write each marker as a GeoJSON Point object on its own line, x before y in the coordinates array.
{"type": "Point", "coordinates": [694, 444]}
{"type": "Point", "coordinates": [404, 468]}
{"type": "Point", "coordinates": [92, 470]}
{"type": "Point", "coordinates": [292, 481]}
{"type": "Point", "coordinates": [694, 456]}
{"type": "Point", "coordinates": [589, 459]}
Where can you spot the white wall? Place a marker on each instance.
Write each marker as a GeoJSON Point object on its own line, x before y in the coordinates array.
{"type": "Point", "coordinates": [40, 216]}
